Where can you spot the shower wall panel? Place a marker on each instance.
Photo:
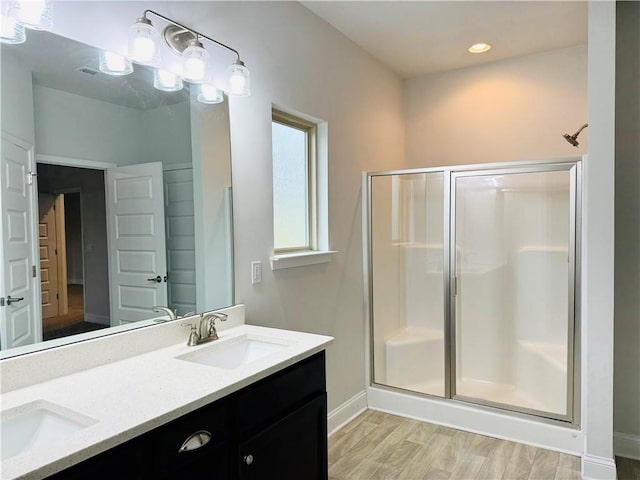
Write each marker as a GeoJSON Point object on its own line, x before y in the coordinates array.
{"type": "Point", "coordinates": [407, 244]}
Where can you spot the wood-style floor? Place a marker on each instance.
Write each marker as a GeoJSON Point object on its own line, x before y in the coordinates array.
{"type": "Point", "coordinates": [377, 445]}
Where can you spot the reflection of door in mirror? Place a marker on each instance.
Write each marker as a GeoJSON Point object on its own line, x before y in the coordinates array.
{"type": "Point", "coordinates": [19, 314]}
{"type": "Point", "coordinates": [137, 253]}
{"type": "Point", "coordinates": [53, 256]}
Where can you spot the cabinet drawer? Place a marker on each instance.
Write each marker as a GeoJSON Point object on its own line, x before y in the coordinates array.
{"type": "Point", "coordinates": [281, 392]}
{"type": "Point", "coordinates": [209, 424]}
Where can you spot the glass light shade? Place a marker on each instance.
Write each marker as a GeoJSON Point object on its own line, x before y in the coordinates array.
{"type": "Point", "coordinates": [195, 63]}
{"type": "Point", "coordinates": [209, 93]}
{"type": "Point", "coordinates": [167, 81]}
{"type": "Point", "coordinates": [114, 64]}
{"type": "Point", "coordinates": [11, 31]}
{"type": "Point", "coordinates": [239, 80]}
{"type": "Point", "coordinates": [144, 43]}
{"type": "Point", "coordinates": [36, 14]}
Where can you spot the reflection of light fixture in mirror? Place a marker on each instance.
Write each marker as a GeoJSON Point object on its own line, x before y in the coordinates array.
{"type": "Point", "coordinates": [144, 43]}
{"type": "Point", "coordinates": [11, 31]}
{"type": "Point", "coordinates": [239, 80]}
{"type": "Point", "coordinates": [114, 64]}
{"type": "Point", "coordinates": [195, 63]}
{"type": "Point", "coordinates": [186, 42]}
{"type": "Point", "coordinates": [209, 93]}
{"type": "Point", "coordinates": [36, 14]}
{"type": "Point", "coordinates": [167, 81]}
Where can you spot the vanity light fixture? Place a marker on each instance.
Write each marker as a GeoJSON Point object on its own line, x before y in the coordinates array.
{"type": "Point", "coordinates": [11, 31]}
{"type": "Point", "coordinates": [144, 48]}
{"type": "Point", "coordinates": [479, 48]}
{"type": "Point", "coordinates": [113, 64]}
{"type": "Point", "coordinates": [209, 93]}
{"type": "Point", "coordinates": [21, 14]}
{"type": "Point", "coordinates": [35, 14]}
{"type": "Point", "coordinates": [167, 81]}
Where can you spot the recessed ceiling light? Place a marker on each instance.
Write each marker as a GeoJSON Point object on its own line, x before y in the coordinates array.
{"type": "Point", "coordinates": [479, 48]}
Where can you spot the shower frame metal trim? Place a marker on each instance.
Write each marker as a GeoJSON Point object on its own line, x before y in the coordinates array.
{"type": "Point", "coordinates": [573, 165]}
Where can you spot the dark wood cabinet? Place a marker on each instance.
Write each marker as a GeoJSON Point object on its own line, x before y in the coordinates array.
{"type": "Point", "coordinates": [274, 428]}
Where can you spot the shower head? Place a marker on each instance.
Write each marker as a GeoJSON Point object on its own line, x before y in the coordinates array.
{"type": "Point", "coordinates": [573, 139]}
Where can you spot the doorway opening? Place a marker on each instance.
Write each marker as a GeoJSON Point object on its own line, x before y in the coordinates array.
{"type": "Point", "coordinates": [71, 226]}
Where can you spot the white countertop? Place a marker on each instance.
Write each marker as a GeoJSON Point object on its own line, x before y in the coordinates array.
{"type": "Point", "coordinates": [134, 395]}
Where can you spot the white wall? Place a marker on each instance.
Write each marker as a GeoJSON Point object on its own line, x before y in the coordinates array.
{"type": "Point", "coordinates": [17, 98]}
{"type": "Point", "coordinates": [627, 217]}
{"type": "Point", "coordinates": [70, 125]}
{"type": "Point", "coordinates": [508, 110]}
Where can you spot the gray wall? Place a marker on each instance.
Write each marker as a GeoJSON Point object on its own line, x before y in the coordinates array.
{"type": "Point", "coordinates": [627, 218]}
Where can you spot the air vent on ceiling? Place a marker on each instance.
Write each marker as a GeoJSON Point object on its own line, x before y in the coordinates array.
{"type": "Point", "coordinates": [87, 70]}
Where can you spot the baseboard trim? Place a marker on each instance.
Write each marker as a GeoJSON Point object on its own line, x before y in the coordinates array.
{"type": "Point", "coordinates": [343, 414]}
{"type": "Point", "coordinates": [598, 468]}
{"type": "Point", "coordinates": [94, 318]}
{"type": "Point", "coordinates": [627, 446]}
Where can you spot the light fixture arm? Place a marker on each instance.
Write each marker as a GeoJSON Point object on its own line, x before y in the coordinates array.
{"type": "Point", "coordinates": [197, 34]}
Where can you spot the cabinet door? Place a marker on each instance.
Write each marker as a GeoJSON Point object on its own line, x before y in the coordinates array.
{"type": "Point", "coordinates": [293, 448]}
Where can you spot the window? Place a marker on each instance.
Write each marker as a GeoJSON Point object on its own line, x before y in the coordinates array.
{"type": "Point", "coordinates": [294, 184]}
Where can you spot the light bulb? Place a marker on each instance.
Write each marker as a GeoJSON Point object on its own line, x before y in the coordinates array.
{"type": "Point", "coordinates": [11, 31]}
{"type": "Point", "coordinates": [113, 64]}
{"type": "Point", "coordinates": [239, 80]}
{"type": "Point", "coordinates": [167, 81]}
{"type": "Point", "coordinates": [36, 14]}
{"type": "Point", "coordinates": [143, 43]}
{"type": "Point", "coordinates": [195, 61]}
{"type": "Point", "coordinates": [209, 93]}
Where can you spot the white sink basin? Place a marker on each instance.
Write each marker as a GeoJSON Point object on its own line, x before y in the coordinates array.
{"type": "Point", "coordinates": [230, 354]}
{"type": "Point", "coordinates": [37, 424]}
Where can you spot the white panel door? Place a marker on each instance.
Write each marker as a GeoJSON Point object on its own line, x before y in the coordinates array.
{"type": "Point", "coordinates": [19, 312]}
{"type": "Point", "coordinates": [137, 258]}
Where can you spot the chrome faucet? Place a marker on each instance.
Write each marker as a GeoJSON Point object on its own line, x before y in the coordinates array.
{"type": "Point", "coordinates": [205, 331]}
{"type": "Point", "coordinates": [172, 313]}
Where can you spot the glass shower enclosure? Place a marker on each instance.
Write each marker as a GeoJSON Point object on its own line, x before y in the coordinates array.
{"type": "Point", "coordinates": [471, 276]}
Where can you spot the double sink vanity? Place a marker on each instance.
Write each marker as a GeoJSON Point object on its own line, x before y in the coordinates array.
{"type": "Point", "coordinates": [144, 404]}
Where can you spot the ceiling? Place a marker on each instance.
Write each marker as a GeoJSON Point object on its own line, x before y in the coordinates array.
{"type": "Point", "coordinates": [415, 38]}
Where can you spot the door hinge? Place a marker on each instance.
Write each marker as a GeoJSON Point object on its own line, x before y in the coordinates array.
{"type": "Point", "coordinates": [55, 250]}
{"type": "Point", "coordinates": [1, 301]}
{"type": "Point", "coordinates": [33, 271]}
{"type": "Point", "coordinates": [57, 296]}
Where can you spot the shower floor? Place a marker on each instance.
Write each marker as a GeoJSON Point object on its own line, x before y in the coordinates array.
{"type": "Point", "coordinates": [494, 392]}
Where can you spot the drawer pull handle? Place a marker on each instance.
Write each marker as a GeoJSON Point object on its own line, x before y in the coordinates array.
{"type": "Point", "coordinates": [195, 441]}
{"type": "Point", "coordinates": [248, 459]}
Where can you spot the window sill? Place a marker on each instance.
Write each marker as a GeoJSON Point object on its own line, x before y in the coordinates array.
{"type": "Point", "coordinates": [300, 259]}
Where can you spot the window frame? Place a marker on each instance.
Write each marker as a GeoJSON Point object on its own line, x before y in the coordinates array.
{"type": "Point", "coordinates": [311, 131]}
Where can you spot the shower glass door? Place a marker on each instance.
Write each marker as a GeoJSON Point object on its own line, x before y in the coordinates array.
{"type": "Point", "coordinates": [406, 268]}
{"type": "Point", "coordinates": [513, 259]}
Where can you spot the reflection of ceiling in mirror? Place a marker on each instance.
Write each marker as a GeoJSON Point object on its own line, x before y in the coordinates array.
{"type": "Point", "coordinates": [58, 63]}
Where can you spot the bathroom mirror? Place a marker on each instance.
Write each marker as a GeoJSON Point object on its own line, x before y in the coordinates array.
{"type": "Point", "coordinates": [116, 198]}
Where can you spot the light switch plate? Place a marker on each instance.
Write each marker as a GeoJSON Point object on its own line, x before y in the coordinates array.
{"type": "Point", "coordinates": [256, 272]}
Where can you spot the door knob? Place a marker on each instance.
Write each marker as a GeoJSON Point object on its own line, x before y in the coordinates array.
{"type": "Point", "coordinates": [248, 459]}
{"type": "Point", "coordinates": [157, 279]}
{"type": "Point", "coordinates": [13, 300]}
